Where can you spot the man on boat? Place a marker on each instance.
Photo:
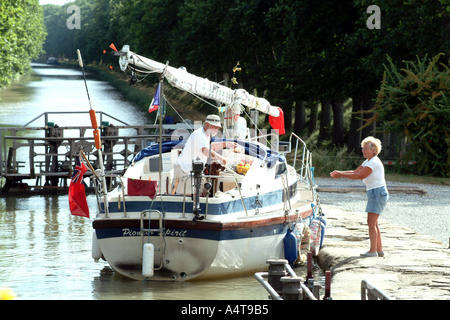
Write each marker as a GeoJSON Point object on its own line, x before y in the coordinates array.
{"type": "Point", "coordinates": [197, 148]}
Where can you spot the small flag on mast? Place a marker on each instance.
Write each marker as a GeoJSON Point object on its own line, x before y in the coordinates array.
{"type": "Point", "coordinates": [155, 101]}
{"type": "Point", "coordinates": [112, 46]}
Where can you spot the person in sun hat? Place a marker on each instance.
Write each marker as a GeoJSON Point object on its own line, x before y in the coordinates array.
{"type": "Point", "coordinates": [197, 147]}
{"type": "Point", "coordinates": [371, 172]}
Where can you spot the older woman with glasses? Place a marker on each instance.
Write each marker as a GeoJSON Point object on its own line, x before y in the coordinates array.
{"type": "Point", "coordinates": [371, 172]}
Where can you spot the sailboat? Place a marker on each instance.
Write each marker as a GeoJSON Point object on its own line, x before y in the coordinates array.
{"type": "Point", "coordinates": [233, 219]}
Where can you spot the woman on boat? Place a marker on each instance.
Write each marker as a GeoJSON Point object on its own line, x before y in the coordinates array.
{"type": "Point", "coordinates": [371, 172]}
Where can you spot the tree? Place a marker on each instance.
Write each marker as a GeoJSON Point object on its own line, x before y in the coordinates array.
{"type": "Point", "coordinates": [313, 53]}
{"type": "Point", "coordinates": [294, 53]}
{"type": "Point", "coordinates": [409, 28]}
{"type": "Point", "coordinates": [22, 34]}
{"type": "Point", "coordinates": [415, 100]}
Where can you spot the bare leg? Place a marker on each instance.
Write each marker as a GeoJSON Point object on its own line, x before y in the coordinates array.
{"type": "Point", "coordinates": [379, 243]}
{"type": "Point", "coordinates": [374, 232]}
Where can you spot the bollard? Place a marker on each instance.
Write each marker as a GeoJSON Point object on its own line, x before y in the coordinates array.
{"type": "Point", "coordinates": [276, 271]}
{"type": "Point", "coordinates": [316, 290]}
{"type": "Point", "coordinates": [291, 288]}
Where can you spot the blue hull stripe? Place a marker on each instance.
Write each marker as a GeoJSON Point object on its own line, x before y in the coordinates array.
{"type": "Point", "coordinates": [267, 199]}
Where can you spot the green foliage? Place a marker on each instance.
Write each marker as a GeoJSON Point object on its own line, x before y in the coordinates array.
{"type": "Point", "coordinates": [22, 33]}
{"type": "Point", "coordinates": [293, 52]}
{"type": "Point", "coordinates": [415, 100]}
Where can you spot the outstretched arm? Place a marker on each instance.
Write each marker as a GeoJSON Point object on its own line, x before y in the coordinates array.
{"type": "Point", "coordinates": [358, 174]}
{"type": "Point", "coordinates": [214, 155]}
{"type": "Point", "coordinates": [223, 145]}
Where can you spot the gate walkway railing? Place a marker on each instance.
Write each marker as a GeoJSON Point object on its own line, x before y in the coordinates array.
{"type": "Point", "coordinates": [48, 151]}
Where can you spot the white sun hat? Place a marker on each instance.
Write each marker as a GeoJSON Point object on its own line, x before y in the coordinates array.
{"type": "Point", "coordinates": [214, 120]}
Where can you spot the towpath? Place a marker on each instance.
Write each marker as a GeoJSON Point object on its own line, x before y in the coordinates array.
{"type": "Point", "coordinates": [415, 228]}
{"type": "Point", "coordinates": [415, 266]}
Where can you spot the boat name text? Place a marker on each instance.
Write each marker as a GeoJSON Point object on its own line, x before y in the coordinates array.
{"type": "Point", "coordinates": [127, 232]}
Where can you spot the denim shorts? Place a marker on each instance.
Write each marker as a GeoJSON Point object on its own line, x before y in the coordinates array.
{"type": "Point", "coordinates": [377, 199]}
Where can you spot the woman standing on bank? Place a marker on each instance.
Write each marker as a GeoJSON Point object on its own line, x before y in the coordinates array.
{"type": "Point", "coordinates": [371, 172]}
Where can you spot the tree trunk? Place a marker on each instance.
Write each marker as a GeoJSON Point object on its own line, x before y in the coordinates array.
{"type": "Point", "coordinates": [325, 120]}
{"type": "Point", "coordinates": [313, 119]}
{"type": "Point", "coordinates": [354, 135]}
{"type": "Point", "coordinates": [338, 121]}
{"type": "Point", "coordinates": [368, 104]}
{"type": "Point", "coordinates": [300, 118]}
{"type": "Point", "coordinates": [288, 119]}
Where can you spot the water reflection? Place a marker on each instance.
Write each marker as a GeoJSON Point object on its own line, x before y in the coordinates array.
{"type": "Point", "coordinates": [46, 254]}
{"type": "Point", "coordinates": [41, 245]}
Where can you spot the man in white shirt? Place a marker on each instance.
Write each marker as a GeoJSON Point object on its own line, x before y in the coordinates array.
{"type": "Point", "coordinates": [197, 148]}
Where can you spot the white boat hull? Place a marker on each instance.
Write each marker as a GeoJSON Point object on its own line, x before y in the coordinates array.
{"type": "Point", "coordinates": [195, 250]}
{"type": "Point", "coordinates": [237, 228]}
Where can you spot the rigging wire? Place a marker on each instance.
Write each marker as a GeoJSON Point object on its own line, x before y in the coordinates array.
{"type": "Point", "coordinates": [198, 97]}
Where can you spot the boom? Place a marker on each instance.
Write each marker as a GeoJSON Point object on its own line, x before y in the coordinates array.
{"type": "Point", "coordinates": [181, 79]}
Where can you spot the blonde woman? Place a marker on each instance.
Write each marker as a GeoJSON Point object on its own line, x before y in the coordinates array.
{"type": "Point", "coordinates": [371, 172]}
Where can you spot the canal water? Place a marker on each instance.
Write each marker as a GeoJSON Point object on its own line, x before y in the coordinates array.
{"type": "Point", "coordinates": [45, 252]}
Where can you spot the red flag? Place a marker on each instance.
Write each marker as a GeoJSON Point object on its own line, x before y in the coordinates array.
{"type": "Point", "coordinates": [138, 187]}
{"type": "Point", "coordinates": [77, 195]}
{"type": "Point", "coordinates": [278, 122]}
{"type": "Point", "coordinates": [155, 102]}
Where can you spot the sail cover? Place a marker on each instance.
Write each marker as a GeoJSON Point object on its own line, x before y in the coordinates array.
{"type": "Point", "coordinates": [183, 80]}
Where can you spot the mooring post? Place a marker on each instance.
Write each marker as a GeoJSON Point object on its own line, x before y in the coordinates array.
{"type": "Point", "coordinates": [309, 275]}
{"type": "Point", "coordinates": [309, 266]}
{"type": "Point", "coordinates": [327, 295]}
{"type": "Point", "coordinates": [276, 271]}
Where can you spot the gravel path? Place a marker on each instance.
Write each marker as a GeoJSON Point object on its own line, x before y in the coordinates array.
{"type": "Point", "coordinates": [426, 214]}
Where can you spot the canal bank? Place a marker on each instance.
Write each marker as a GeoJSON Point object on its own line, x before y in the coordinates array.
{"type": "Point", "coordinates": [181, 105]}
{"type": "Point", "coordinates": [414, 228]}
{"type": "Point", "coordinates": [415, 266]}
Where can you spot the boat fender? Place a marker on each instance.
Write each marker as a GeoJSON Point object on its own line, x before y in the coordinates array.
{"type": "Point", "coordinates": [148, 253]}
{"type": "Point", "coordinates": [323, 224]}
{"type": "Point", "coordinates": [290, 247]}
{"type": "Point", "coordinates": [317, 228]}
{"type": "Point", "coordinates": [303, 235]}
{"type": "Point", "coordinates": [96, 251]}
{"type": "Point", "coordinates": [305, 245]}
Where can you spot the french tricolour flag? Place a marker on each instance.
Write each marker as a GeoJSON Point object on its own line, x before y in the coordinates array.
{"type": "Point", "coordinates": [155, 102]}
